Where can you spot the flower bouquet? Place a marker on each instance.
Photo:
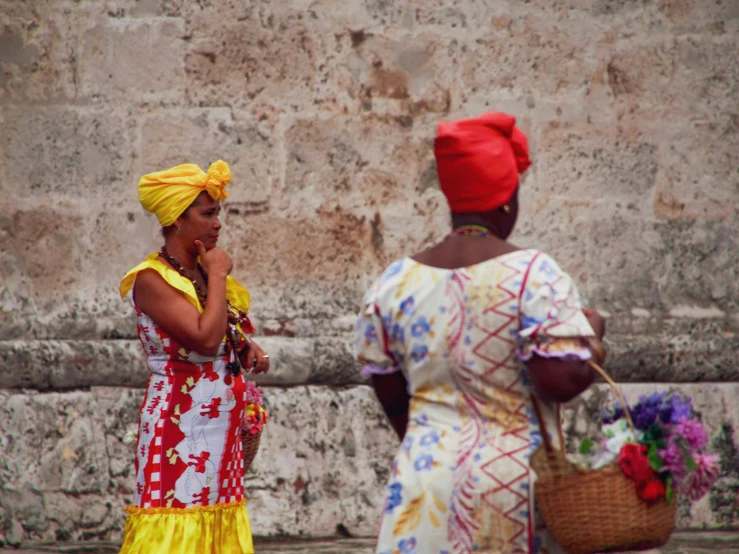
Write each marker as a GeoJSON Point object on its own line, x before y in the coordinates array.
{"type": "Point", "coordinates": [663, 454]}
{"type": "Point", "coordinates": [255, 417]}
{"type": "Point", "coordinates": [618, 494]}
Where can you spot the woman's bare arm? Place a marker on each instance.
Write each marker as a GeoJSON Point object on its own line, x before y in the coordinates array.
{"type": "Point", "coordinates": [170, 310]}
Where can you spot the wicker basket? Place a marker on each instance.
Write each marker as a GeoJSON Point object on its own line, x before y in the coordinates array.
{"type": "Point", "coordinates": [596, 510]}
{"type": "Point", "coordinates": [251, 447]}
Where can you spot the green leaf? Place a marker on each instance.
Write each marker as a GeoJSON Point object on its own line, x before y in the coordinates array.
{"type": "Point", "coordinates": [586, 446]}
{"type": "Point", "coordinates": [669, 490]}
{"type": "Point", "coordinates": [690, 463]}
{"type": "Point", "coordinates": [655, 462]}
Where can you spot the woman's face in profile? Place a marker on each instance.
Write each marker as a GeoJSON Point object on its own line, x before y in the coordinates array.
{"type": "Point", "coordinates": [201, 221]}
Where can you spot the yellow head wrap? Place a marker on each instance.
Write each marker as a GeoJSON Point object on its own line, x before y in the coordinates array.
{"type": "Point", "coordinates": [167, 194]}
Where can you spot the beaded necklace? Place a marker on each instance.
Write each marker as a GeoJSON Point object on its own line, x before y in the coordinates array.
{"type": "Point", "coordinates": [474, 231]}
{"type": "Point", "coordinates": [236, 339]}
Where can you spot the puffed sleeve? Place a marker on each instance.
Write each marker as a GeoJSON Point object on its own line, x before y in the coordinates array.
{"type": "Point", "coordinates": [371, 339]}
{"type": "Point", "coordinates": [552, 323]}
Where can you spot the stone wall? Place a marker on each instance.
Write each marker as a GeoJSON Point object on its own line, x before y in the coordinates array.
{"type": "Point", "coordinates": [326, 111]}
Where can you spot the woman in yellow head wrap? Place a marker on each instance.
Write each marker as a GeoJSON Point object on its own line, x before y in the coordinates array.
{"type": "Point", "coordinates": [193, 326]}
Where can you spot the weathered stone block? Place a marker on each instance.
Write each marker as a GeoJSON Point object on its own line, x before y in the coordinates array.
{"type": "Point", "coordinates": [37, 52]}
{"type": "Point", "coordinates": [143, 57]}
{"type": "Point", "coordinates": [698, 178]}
{"type": "Point", "coordinates": [42, 155]}
{"type": "Point", "coordinates": [174, 136]}
{"type": "Point", "coordinates": [246, 56]}
{"type": "Point", "coordinates": [59, 445]}
{"type": "Point", "coordinates": [617, 164]}
{"type": "Point", "coordinates": [519, 51]}
{"type": "Point", "coordinates": [394, 73]}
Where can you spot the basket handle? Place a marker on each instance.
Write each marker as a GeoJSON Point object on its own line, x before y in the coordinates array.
{"type": "Point", "coordinates": [616, 391]}
{"type": "Point", "coordinates": [545, 435]}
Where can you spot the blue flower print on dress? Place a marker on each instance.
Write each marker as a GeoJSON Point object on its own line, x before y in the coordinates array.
{"type": "Point", "coordinates": [548, 269]}
{"type": "Point", "coordinates": [420, 328]}
{"type": "Point", "coordinates": [431, 438]}
{"type": "Point", "coordinates": [407, 443]}
{"type": "Point", "coordinates": [528, 321]}
{"type": "Point", "coordinates": [419, 352]}
{"type": "Point", "coordinates": [370, 333]}
{"type": "Point", "coordinates": [406, 306]}
{"type": "Point", "coordinates": [397, 333]}
{"type": "Point", "coordinates": [407, 546]}
{"type": "Point", "coordinates": [424, 462]}
{"type": "Point", "coordinates": [394, 498]}
{"type": "Point", "coordinates": [393, 269]}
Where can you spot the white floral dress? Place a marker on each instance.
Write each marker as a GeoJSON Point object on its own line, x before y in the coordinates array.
{"type": "Point", "coordinates": [461, 481]}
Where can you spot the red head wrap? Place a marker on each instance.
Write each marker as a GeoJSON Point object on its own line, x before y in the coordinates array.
{"type": "Point", "coordinates": [478, 161]}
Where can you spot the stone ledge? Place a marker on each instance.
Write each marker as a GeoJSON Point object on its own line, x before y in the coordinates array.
{"type": "Point", "coordinates": [680, 358]}
{"type": "Point", "coordinates": [64, 365]}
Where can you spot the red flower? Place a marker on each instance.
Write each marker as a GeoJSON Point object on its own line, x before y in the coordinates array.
{"type": "Point", "coordinates": [634, 462]}
{"type": "Point", "coordinates": [651, 491]}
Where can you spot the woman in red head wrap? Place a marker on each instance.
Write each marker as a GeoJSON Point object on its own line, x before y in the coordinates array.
{"type": "Point", "coordinates": [458, 339]}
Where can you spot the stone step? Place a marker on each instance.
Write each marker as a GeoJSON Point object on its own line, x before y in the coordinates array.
{"type": "Point", "coordinates": [686, 542]}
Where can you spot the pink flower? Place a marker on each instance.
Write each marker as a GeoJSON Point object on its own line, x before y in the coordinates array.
{"type": "Point", "coordinates": [699, 481]}
{"type": "Point", "coordinates": [253, 394]}
{"type": "Point", "coordinates": [692, 431]}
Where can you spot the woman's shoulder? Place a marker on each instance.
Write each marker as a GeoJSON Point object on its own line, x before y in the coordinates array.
{"type": "Point", "coordinates": [388, 279]}
{"type": "Point", "coordinates": [151, 262]}
{"type": "Point", "coordinates": [149, 268]}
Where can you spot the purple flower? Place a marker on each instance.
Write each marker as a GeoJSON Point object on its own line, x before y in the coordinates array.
{"type": "Point", "coordinates": [681, 409]}
{"type": "Point", "coordinates": [672, 456]}
{"type": "Point", "coordinates": [692, 431]}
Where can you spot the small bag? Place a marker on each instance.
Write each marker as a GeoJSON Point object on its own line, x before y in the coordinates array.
{"type": "Point", "coordinates": [589, 511]}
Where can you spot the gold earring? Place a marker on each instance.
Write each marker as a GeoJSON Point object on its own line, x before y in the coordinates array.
{"type": "Point", "coordinates": [507, 209]}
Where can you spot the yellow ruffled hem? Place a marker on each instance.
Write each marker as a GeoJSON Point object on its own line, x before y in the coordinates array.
{"type": "Point", "coordinates": [219, 529]}
{"type": "Point", "coordinates": [236, 294]}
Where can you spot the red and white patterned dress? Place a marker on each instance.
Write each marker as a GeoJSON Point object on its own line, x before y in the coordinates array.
{"type": "Point", "coordinates": [189, 463]}
{"type": "Point", "coordinates": [461, 481]}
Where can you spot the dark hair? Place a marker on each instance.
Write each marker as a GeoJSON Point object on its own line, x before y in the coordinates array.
{"type": "Point", "coordinates": [167, 230]}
